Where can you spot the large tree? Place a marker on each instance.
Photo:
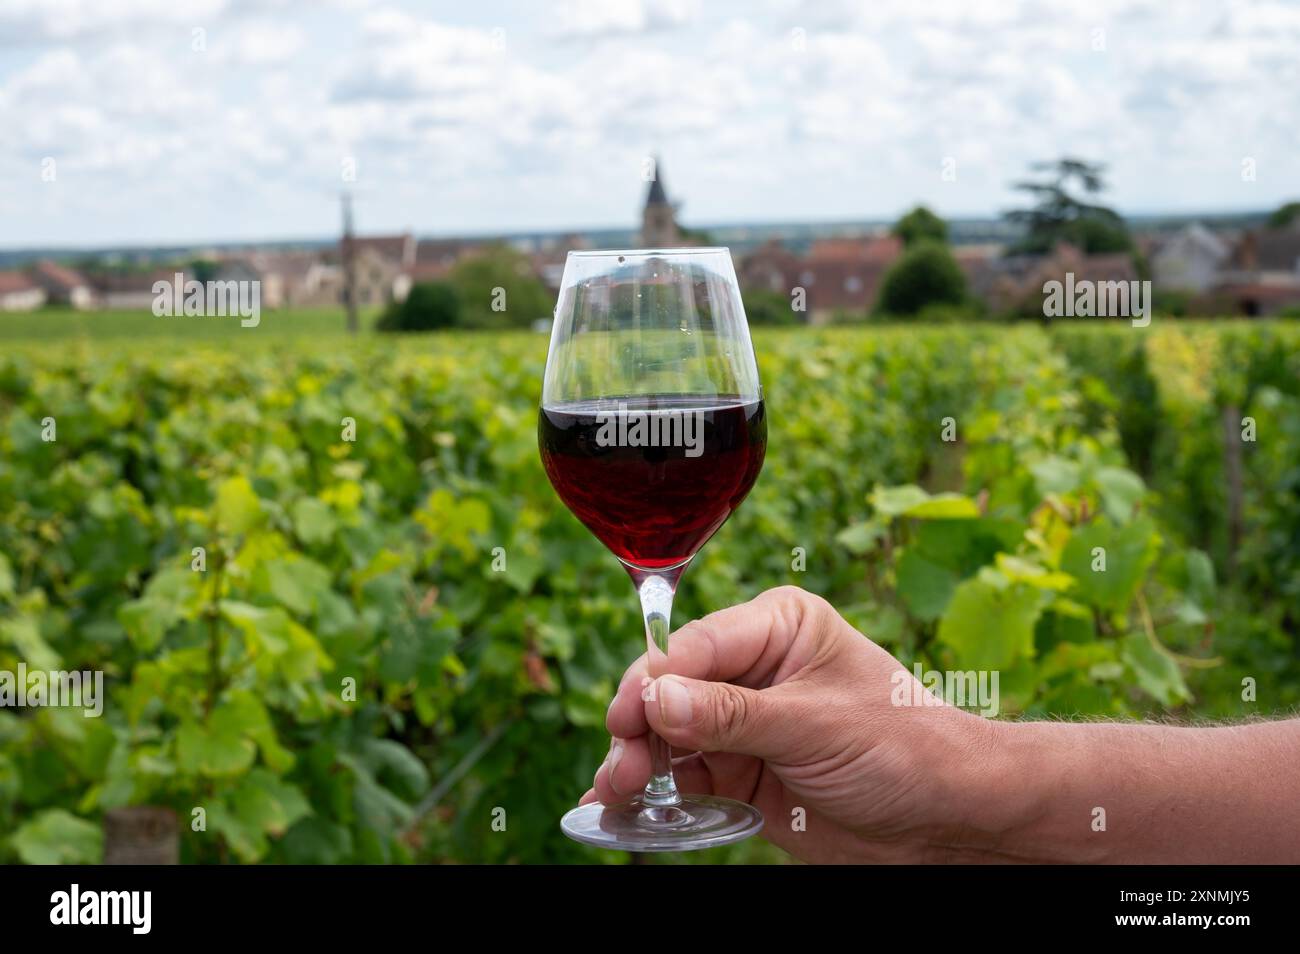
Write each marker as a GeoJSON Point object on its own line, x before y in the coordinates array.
{"type": "Point", "coordinates": [921, 225]}
{"type": "Point", "coordinates": [1285, 215]}
{"type": "Point", "coordinates": [1060, 214]}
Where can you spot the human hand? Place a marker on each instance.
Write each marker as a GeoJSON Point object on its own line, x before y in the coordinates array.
{"type": "Point", "coordinates": [780, 703]}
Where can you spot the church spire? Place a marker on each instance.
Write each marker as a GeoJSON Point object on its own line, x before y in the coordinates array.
{"type": "Point", "coordinates": [656, 194]}
{"type": "Point", "coordinates": [659, 217]}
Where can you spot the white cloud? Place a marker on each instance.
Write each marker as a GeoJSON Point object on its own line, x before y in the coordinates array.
{"type": "Point", "coordinates": [460, 121]}
{"type": "Point", "coordinates": [593, 18]}
{"type": "Point", "coordinates": [259, 43]}
{"type": "Point", "coordinates": [37, 21]}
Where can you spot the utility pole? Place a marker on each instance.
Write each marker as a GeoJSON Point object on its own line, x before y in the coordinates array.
{"type": "Point", "coordinates": [349, 264]}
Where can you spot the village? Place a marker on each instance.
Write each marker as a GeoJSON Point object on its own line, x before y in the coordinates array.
{"type": "Point", "coordinates": [1195, 270]}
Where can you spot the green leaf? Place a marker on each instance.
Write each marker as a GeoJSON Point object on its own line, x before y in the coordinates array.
{"type": "Point", "coordinates": [268, 803]}
{"type": "Point", "coordinates": [171, 595]}
{"type": "Point", "coordinates": [1055, 475]}
{"type": "Point", "coordinates": [238, 508]}
{"type": "Point", "coordinates": [381, 564]}
{"type": "Point", "coordinates": [455, 523]}
{"type": "Point", "coordinates": [860, 538]}
{"type": "Point", "coordinates": [1185, 611]}
{"type": "Point", "coordinates": [415, 651]}
{"type": "Point", "coordinates": [1019, 570]}
{"type": "Point", "coordinates": [556, 639]}
{"type": "Point", "coordinates": [1062, 622]}
{"type": "Point", "coordinates": [6, 577]}
{"type": "Point", "coordinates": [317, 841]}
{"type": "Point", "coordinates": [1156, 673]}
{"type": "Point", "coordinates": [57, 837]}
{"type": "Point", "coordinates": [266, 630]}
{"type": "Point", "coordinates": [248, 710]}
{"type": "Point", "coordinates": [966, 545]}
{"type": "Point", "coordinates": [1200, 578]}
{"type": "Point", "coordinates": [1121, 491]}
{"type": "Point", "coordinates": [219, 747]}
{"type": "Point", "coordinates": [923, 585]}
{"type": "Point", "coordinates": [1080, 660]}
{"type": "Point", "coordinates": [24, 634]}
{"type": "Point", "coordinates": [896, 501]}
{"type": "Point", "coordinates": [313, 520]}
{"type": "Point", "coordinates": [523, 569]}
{"type": "Point", "coordinates": [243, 837]}
{"type": "Point", "coordinates": [587, 708]}
{"type": "Point", "coordinates": [944, 507]}
{"type": "Point", "coordinates": [11, 781]}
{"type": "Point", "coordinates": [297, 582]}
{"type": "Point", "coordinates": [147, 620]}
{"type": "Point", "coordinates": [990, 627]}
{"type": "Point", "coordinates": [390, 759]}
{"type": "Point", "coordinates": [910, 500]}
{"type": "Point", "coordinates": [1129, 551]}
{"type": "Point", "coordinates": [377, 808]}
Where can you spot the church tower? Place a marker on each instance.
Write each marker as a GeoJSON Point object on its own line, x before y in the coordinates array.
{"type": "Point", "coordinates": [659, 218]}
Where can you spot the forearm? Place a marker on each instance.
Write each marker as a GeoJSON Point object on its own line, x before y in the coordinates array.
{"type": "Point", "coordinates": [1136, 793]}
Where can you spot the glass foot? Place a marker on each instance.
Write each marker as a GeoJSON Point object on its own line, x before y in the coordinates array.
{"type": "Point", "coordinates": [698, 821]}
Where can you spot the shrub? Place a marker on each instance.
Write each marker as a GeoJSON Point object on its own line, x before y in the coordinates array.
{"type": "Point", "coordinates": [763, 307]}
{"type": "Point", "coordinates": [927, 274]}
{"type": "Point", "coordinates": [428, 307]}
{"type": "Point", "coordinates": [499, 289]}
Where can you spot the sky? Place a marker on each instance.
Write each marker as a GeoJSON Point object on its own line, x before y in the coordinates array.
{"type": "Point", "coordinates": [181, 121]}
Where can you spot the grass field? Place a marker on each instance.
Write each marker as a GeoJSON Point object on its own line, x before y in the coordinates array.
{"type": "Point", "coordinates": [66, 324]}
{"type": "Point", "coordinates": [54, 324]}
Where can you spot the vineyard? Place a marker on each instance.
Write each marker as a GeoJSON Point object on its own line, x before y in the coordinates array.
{"type": "Point", "coordinates": [342, 616]}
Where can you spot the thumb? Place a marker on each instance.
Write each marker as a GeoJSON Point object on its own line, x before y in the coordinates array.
{"type": "Point", "coordinates": [714, 716]}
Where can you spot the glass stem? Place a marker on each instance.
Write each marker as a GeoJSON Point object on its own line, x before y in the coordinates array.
{"type": "Point", "coordinates": [656, 592]}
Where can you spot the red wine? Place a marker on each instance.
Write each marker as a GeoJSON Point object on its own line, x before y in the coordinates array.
{"type": "Point", "coordinates": [653, 477]}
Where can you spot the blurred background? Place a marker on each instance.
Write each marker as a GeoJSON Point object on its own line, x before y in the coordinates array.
{"type": "Point", "coordinates": [339, 613]}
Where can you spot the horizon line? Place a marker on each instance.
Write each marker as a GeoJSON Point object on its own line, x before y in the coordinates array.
{"type": "Point", "coordinates": [489, 235]}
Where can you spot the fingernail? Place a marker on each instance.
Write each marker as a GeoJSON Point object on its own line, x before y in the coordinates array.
{"type": "Point", "coordinates": [674, 703]}
{"type": "Point", "coordinates": [615, 756]}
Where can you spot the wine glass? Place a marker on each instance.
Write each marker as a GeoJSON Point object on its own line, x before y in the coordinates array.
{"type": "Point", "coordinates": [652, 430]}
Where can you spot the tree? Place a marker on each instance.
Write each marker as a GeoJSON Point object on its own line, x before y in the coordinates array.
{"type": "Point", "coordinates": [927, 274]}
{"type": "Point", "coordinates": [202, 269]}
{"type": "Point", "coordinates": [1096, 236]}
{"type": "Point", "coordinates": [1284, 216]}
{"type": "Point", "coordinates": [764, 307]}
{"type": "Point", "coordinates": [428, 306]}
{"type": "Point", "coordinates": [498, 288]}
{"type": "Point", "coordinates": [921, 225]}
{"type": "Point", "coordinates": [1058, 216]}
